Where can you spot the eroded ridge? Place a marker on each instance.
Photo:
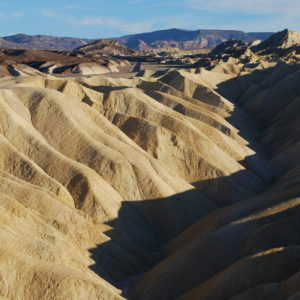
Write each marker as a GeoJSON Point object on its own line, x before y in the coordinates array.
{"type": "Point", "coordinates": [171, 184]}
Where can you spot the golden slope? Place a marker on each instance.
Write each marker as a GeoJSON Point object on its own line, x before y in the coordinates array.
{"type": "Point", "coordinates": [114, 177]}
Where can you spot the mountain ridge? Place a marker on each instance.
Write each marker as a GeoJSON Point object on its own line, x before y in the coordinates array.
{"type": "Point", "coordinates": [105, 47]}
{"type": "Point", "coordinates": [187, 39]}
{"type": "Point", "coordinates": [45, 42]}
{"type": "Point", "coordinates": [284, 39]}
{"type": "Point", "coordinates": [180, 38]}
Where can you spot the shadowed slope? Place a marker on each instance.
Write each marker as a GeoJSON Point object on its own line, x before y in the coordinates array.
{"type": "Point", "coordinates": [165, 184]}
{"type": "Point", "coordinates": [251, 245]}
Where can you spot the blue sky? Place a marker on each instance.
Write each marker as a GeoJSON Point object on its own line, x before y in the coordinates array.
{"type": "Point", "coordinates": [112, 18]}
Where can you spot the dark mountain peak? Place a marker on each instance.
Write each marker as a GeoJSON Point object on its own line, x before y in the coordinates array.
{"type": "Point", "coordinates": [100, 43]}
{"type": "Point", "coordinates": [288, 31]}
{"type": "Point", "coordinates": [284, 39]}
{"type": "Point", "coordinates": [104, 47]}
{"type": "Point", "coordinates": [229, 47]}
{"type": "Point", "coordinates": [43, 42]}
{"type": "Point", "coordinates": [17, 35]}
{"type": "Point", "coordinates": [187, 39]}
{"type": "Point", "coordinates": [19, 38]}
{"type": "Point", "coordinates": [281, 40]}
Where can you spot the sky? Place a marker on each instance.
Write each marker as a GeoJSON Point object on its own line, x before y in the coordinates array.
{"type": "Point", "coordinates": [114, 18]}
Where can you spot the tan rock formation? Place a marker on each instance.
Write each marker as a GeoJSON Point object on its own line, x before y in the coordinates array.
{"type": "Point", "coordinates": [172, 184]}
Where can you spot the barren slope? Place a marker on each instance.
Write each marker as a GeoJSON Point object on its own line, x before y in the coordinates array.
{"type": "Point", "coordinates": [38, 62]}
{"type": "Point", "coordinates": [173, 184]}
{"type": "Point", "coordinates": [42, 42]}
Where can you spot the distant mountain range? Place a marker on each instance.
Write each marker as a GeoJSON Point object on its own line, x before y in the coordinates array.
{"type": "Point", "coordinates": [182, 39]}
{"type": "Point", "coordinates": [42, 42]}
{"type": "Point", "coordinates": [187, 39]}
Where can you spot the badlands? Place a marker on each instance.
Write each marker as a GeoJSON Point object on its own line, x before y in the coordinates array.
{"type": "Point", "coordinates": [170, 182]}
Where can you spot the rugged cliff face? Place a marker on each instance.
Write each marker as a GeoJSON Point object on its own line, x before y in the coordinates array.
{"type": "Point", "coordinates": [105, 47]}
{"type": "Point", "coordinates": [187, 39]}
{"type": "Point", "coordinates": [171, 184]}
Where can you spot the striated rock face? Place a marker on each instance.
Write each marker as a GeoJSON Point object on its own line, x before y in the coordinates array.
{"type": "Point", "coordinates": [250, 248]}
{"type": "Point", "coordinates": [172, 184]}
{"type": "Point", "coordinates": [283, 40]}
{"type": "Point", "coordinates": [187, 39]}
{"type": "Point", "coordinates": [234, 55]}
{"type": "Point", "coordinates": [231, 47]}
{"type": "Point", "coordinates": [105, 47]}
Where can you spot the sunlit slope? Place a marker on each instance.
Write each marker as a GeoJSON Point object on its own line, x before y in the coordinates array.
{"type": "Point", "coordinates": [249, 249]}
{"type": "Point", "coordinates": [167, 183]}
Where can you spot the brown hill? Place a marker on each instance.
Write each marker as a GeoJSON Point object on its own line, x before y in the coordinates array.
{"type": "Point", "coordinates": [6, 44]}
{"type": "Point", "coordinates": [42, 42]}
{"type": "Point", "coordinates": [105, 47]}
{"type": "Point", "coordinates": [21, 62]}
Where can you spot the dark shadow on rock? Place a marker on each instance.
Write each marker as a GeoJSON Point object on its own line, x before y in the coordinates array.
{"type": "Point", "coordinates": [143, 228]}
{"type": "Point", "coordinates": [242, 88]}
{"type": "Point", "coordinates": [104, 88]}
{"type": "Point", "coordinates": [140, 230]}
{"type": "Point", "coordinates": [62, 69]}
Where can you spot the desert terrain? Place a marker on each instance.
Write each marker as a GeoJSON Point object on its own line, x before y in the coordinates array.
{"type": "Point", "coordinates": [159, 174]}
{"type": "Point", "coordinates": [178, 38]}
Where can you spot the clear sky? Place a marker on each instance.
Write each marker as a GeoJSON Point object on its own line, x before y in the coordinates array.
{"type": "Point", "coordinates": [113, 18]}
